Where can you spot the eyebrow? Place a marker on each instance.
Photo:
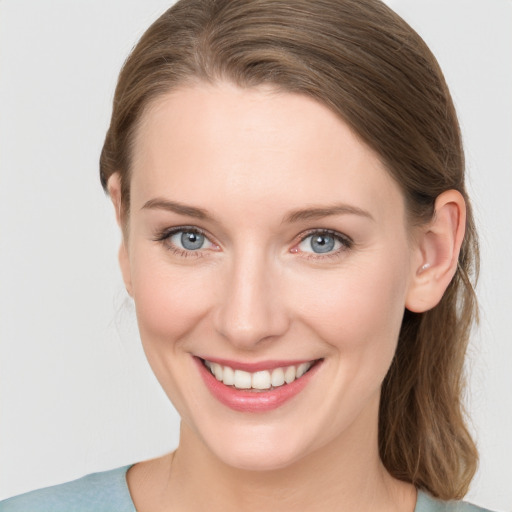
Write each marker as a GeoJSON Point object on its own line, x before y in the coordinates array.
{"type": "Point", "coordinates": [173, 206]}
{"type": "Point", "coordinates": [322, 211]}
{"type": "Point", "coordinates": [311, 213]}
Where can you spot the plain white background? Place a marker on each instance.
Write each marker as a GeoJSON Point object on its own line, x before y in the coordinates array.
{"type": "Point", "coordinates": [76, 394]}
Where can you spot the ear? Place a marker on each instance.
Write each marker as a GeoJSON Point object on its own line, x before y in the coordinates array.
{"type": "Point", "coordinates": [437, 252]}
{"type": "Point", "coordinates": [114, 191]}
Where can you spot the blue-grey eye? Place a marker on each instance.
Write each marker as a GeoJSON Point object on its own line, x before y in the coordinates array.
{"type": "Point", "coordinates": [320, 243]}
{"type": "Point", "coordinates": [190, 240]}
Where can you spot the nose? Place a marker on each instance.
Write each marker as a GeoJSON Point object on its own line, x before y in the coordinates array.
{"type": "Point", "coordinates": [251, 309]}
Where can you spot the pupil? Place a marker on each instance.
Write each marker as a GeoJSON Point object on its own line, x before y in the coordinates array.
{"type": "Point", "coordinates": [192, 241]}
{"type": "Point", "coordinates": [322, 243]}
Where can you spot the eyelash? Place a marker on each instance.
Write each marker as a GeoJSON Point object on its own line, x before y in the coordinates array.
{"type": "Point", "coordinates": [165, 235]}
{"type": "Point", "coordinates": [346, 242]}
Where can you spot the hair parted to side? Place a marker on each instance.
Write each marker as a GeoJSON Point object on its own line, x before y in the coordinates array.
{"type": "Point", "coordinates": [366, 64]}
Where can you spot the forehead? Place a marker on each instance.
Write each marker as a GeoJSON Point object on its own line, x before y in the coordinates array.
{"type": "Point", "coordinates": [254, 146]}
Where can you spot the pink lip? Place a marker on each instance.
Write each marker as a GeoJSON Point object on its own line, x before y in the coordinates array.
{"type": "Point", "coordinates": [253, 401]}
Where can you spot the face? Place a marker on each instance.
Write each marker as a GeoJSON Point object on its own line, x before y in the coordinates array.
{"type": "Point", "coordinates": [264, 241]}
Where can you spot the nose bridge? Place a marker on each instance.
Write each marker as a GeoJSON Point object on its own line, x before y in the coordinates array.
{"type": "Point", "coordinates": [251, 309]}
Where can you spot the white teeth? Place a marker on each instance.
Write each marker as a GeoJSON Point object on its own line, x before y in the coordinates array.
{"type": "Point", "coordinates": [229, 376]}
{"type": "Point", "coordinates": [289, 374]}
{"type": "Point", "coordinates": [242, 380]}
{"type": "Point", "coordinates": [302, 369]}
{"type": "Point", "coordinates": [217, 371]}
{"type": "Point", "coordinates": [261, 380]}
{"type": "Point", "coordinates": [277, 377]}
{"type": "Point", "coordinates": [264, 379]}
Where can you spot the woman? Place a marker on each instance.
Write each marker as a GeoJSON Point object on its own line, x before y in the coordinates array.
{"type": "Point", "coordinates": [297, 238]}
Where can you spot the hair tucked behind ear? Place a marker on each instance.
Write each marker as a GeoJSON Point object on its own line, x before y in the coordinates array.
{"type": "Point", "coordinates": [366, 64]}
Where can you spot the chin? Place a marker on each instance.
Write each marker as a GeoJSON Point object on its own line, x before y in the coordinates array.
{"type": "Point", "coordinates": [262, 452]}
{"type": "Point", "coordinates": [257, 461]}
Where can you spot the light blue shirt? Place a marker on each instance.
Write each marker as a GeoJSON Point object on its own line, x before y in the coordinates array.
{"type": "Point", "coordinates": [108, 492]}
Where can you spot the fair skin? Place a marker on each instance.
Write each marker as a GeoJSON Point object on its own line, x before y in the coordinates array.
{"type": "Point", "coordinates": [262, 230]}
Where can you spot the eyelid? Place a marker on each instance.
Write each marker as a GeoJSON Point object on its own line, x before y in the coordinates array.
{"type": "Point", "coordinates": [163, 236]}
{"type": "Point", "coordinates": [346, 242]}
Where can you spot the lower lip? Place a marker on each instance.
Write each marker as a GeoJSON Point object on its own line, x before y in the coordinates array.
{"type": "Point", "coordinates": [254, 401]}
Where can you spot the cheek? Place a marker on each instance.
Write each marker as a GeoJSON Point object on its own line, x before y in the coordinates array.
{"type": "Point", "coordinates": [358, 308]}
{"type": "Point", "coordinates": [169, 300]}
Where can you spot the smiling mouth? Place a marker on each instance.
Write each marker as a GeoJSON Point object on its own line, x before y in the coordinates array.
{"type": "Point", "coordinates": [264, 380]}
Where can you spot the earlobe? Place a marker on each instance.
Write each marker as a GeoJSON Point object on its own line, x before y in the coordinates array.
{"type": "Point", "coordinates": [114, 191]}
{"type": "Point", "coordinates": [438, 246]}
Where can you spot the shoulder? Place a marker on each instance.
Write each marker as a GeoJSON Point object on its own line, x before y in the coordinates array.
{"type": "Point", "coordinates": [427, 503]}
{"type": "Point", "coordinates": [97, 492]}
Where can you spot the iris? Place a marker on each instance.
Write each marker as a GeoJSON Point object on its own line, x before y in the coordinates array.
{"type": "Point", "coordinates": [191, 240]}
{"type": "Point", "coordinates": [322, 243]}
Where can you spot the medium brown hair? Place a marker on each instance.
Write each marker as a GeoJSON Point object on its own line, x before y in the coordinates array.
{"type": "Point", "coordinates": [367, 65]}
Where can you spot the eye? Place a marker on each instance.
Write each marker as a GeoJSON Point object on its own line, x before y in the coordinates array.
{"type": "Point", "coordinates": [186, 241]}
{"type": "Point", "coordinates": [323, 243]}
{"type": "Point", "coordinates": [189, 240]}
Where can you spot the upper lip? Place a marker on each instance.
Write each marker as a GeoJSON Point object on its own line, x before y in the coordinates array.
{"type": "Point", "coordinates": [258, 365]}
